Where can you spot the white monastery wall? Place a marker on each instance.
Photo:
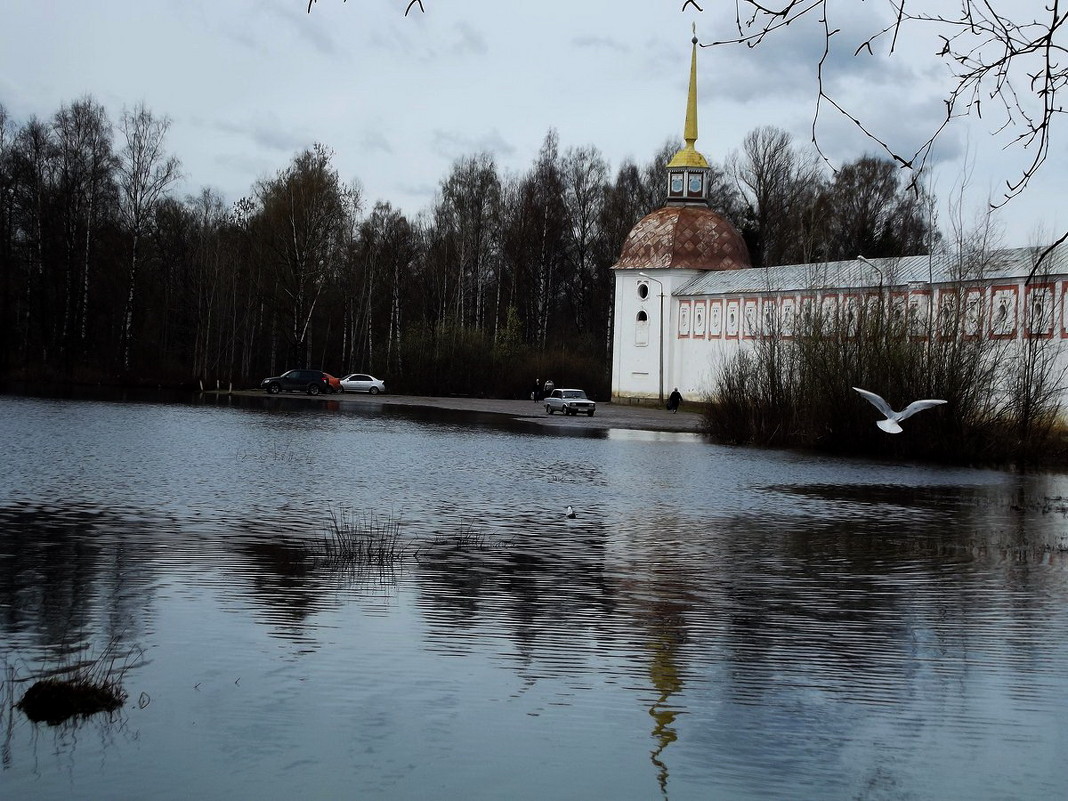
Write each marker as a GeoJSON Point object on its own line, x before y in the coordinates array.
{"type": "Point", "coordinates": [703, 332]}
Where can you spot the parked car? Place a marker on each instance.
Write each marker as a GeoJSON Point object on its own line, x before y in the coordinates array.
{"type": "Point", "coordinates": [361, 382]}
{"type": "Point", "coordinates": [311, 381]}
{"type": "Point", "coordinates": [335, 383]}
{"type": "Point", "coordinates": [569, 401]}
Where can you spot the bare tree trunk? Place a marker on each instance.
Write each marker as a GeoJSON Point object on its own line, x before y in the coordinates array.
{"type": "Point", "coordinates": [127, 317]}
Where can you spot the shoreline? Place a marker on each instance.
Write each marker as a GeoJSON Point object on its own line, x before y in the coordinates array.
{"type": "Point", "coordinates": [608, 415]}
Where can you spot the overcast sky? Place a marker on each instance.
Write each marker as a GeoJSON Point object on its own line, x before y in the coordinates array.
{"type": "Point", "coordinates": [249, 83]}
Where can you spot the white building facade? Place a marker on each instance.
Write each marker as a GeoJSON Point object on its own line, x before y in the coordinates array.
{"type": "Point", "coordinates": [687, 299]}
{"type": "Point", "coordinates": [710, 315]}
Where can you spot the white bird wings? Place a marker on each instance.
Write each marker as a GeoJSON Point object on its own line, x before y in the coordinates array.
{"type": "Point", "coordinates": [890, 424]}
{"type": "Point", "coordinates": [917, 406]}
{"type": "Point", "coordinates": [876, 401]}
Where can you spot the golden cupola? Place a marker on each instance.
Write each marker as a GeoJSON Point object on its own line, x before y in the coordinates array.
{"type": "Point", "coordinates": [688, 170]}
{"type": "Point", "coordinates": [685, 233]}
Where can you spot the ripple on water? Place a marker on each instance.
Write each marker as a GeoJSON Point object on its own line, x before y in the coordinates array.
{"type": "Point", "coordinates": [763, 624]}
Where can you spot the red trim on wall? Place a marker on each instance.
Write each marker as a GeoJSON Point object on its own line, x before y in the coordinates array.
{"type": "Point", "coordinates": [1063, 306]}
{"type": "Point", "coordinates": [722, 319]}
{"type": "Point", "coordinates": [843, 309]}
{"type": "Point", "coordinates": [726, 314]}
{"type": "Point", "coordinates": [968, 295]}
{"type": "Point", "coordinates": [920, 293]}
{"type": "Point", "coordinates": [703, 306]}
{"type": "Point", "coordinates": [688, 304]}
{"type": "Point", "coordinates": [1028, 289]}
{"type": "Point", "coordinates": [1014, 289]}
{"type": "Point", "coordinates": [742, 327]}
{"type": "Point", "coordinates": [788, 327]}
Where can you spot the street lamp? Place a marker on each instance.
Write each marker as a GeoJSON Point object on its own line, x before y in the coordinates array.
{"type": "Point", "coordinates": [877, 270]}
{"type": "Point", "coordinates": [661, 285]}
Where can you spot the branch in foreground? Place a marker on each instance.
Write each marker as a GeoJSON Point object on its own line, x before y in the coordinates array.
{"type": "Point", "coordinates": [411, 5]}
{"type": "Point", "coordinates": [1003, 55]}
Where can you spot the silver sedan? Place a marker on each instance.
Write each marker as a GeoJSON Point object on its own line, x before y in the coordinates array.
{"type": "Point", "coordinates": [362, 382]}
{"type": "Point", "coordinates": [569, 401]}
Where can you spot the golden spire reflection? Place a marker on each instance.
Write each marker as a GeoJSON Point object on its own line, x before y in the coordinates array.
{"type": "Point", "coordinates": [667, 631]}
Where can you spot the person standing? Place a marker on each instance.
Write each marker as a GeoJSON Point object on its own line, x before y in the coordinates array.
{"type": "Point", "coordinates": [674, 400]}
{"type": "Point", "coordinates": [549, 387]}
{"type": "Point", "coordinates": [536, 394]}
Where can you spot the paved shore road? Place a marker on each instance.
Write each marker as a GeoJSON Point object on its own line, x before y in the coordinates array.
{"type": "Point", "coordinates": [609, 415]}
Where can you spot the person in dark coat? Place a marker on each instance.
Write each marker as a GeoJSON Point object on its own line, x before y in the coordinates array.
{"type": "Point", "coordinates": [674, 400]}
{"type": "Point", "coordinates": [536, 394]}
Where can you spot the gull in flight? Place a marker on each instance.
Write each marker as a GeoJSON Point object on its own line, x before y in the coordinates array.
{"type": "Point", "coordinates": [891, 425]}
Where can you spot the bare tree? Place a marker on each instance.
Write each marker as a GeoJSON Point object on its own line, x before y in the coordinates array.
{"type": "Point", "coordinates": [1008, 56]}
{"type": "Point", "coordinates": [301, 230]}
{"type": "Point", "coordinates": [145, 173]}
{"type": "Point", "coordinates": [777, 181]}
{"type": "Point", "coordinates": [543, 223]}
{"type": "Point", "coordinates": [585, 175]}
{"type": "Point", "coordinates": [468, 217]}
{"type": "Point", "coordinates": [7, 232]}
{"type": "Point", "coordinates": [868, 211]}
{"type": "Point", "coordinates": [32, 171]}
{"type": "Point", "coordinates": [86, 192]}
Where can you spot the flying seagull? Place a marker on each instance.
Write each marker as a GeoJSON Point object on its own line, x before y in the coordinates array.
{"type": "Point", "coordinates": [570, 512]}
{"type": "Point", "coordinates": [891, 425]}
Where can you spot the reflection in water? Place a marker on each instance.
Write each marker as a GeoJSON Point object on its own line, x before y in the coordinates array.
{"type": "Point", "coordinates": [68, 584]}
{"type": "Point", "coordinates": [780, 626]}
{"type": "Point", "coordinates": [664, 672]}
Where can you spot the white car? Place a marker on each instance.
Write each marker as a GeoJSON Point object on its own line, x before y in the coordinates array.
{"type": "Point", "coordinates": [361, 382]}
{"type": "Point", "coordinates": [569, 401]}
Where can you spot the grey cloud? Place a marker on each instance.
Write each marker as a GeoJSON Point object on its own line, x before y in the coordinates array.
{"type": "Point", "coordinates": [904, 127]}
{"type": "Point", "coordinates": [468, 41]}
{"type": "Point", "coordinates": [462, 40]}
{"type": "Point", "coordinates": [241, 163]}
{"type": "Point", "coordinates": [601, 43]}
{"type": "Point", "coordinates": [452, 145]}
{"type": "Point", "coordinates": [786, 62]}
{"type": "Point", "coordinates": [375, 142]}
{"type": "Point", "coordinates": [267, 133]}
{"type": "Point", "coordinates": [294, 19]}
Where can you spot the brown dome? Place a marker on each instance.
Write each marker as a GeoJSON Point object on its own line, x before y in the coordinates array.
{"type": "Point", "coordinates": [683, 238]}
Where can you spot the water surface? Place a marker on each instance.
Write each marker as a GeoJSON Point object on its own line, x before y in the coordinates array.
{"type": "Point", "coordinates": [715, 623]}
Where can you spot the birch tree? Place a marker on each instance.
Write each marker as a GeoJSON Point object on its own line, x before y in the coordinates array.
{"type": "Point", "coordinates": [300, 233]}
{"type": "Point", "coordinates": [468, 217]}
{"type": "Point", "coordinates": [145, 173]}
{"type": "Point", "coordinates": [777, 181]}
{"type": "Point", "coordinates": [86, 186]}
{"type": "Point", "coordinates": [585, 175]}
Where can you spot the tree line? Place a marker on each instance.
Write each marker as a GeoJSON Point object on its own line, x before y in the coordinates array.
{"type": "Point", "coordinates": [108, 276]}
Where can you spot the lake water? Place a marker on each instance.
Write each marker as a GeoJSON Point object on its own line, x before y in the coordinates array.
{"type": "Point", "coordinates": [715, 623]}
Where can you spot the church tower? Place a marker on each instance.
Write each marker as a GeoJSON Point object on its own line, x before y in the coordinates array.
{"type": "Point", "coordinates": [663, 253]}
{"type": "Point", "coordinates": [687, 172]}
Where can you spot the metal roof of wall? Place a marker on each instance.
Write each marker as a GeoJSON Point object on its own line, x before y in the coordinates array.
{"type": "Point", "coordinates": [1014, 264]}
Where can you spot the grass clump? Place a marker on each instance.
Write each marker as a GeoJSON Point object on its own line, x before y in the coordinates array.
{"type": "Point", "coordinates": [362, 539]}
{"type": "Point", "coordinates": [366, 540]}
{"type": "Point", "coordinates": [463, 540]}
{"type": "Point", "coordinates": [80, 691]}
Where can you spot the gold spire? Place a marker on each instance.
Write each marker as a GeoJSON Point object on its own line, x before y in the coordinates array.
{"type": "Point", "coordinates": [688, 156]}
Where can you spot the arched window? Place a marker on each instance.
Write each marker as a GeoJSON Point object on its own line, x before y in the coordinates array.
{"type": "Point", "coordinates": [643, 290]}
{"type": "Point", "coordinates": [641, 330]}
